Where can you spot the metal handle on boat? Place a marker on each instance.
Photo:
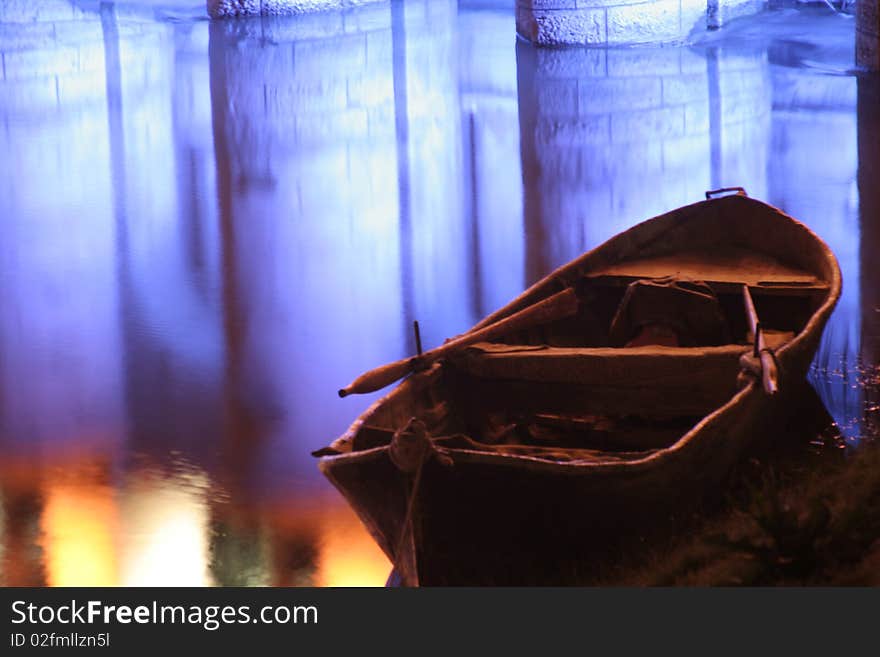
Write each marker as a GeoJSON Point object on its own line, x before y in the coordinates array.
{"type": "Point", "coordinates": [725, 191]}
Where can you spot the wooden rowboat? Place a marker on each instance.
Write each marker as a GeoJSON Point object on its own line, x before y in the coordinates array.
{"type": "Point", "coordinates": [524, 444]}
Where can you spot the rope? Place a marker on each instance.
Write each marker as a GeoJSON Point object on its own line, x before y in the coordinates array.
{"type": "Point", "coordinates": [411, 447]}
{"type": "Point", "coordinates": [407, 519]}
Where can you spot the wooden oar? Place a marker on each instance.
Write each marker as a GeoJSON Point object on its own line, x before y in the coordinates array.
{"type": "Point", "coordinates": [562, 304]}
{"type": "Point", "coordinates": [769, 373]}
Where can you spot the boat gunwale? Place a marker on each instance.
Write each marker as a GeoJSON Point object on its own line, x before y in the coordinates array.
{"type": "Point", "coordinates": [616, 242]}
{"type": "Point", "coordinates": [610, 466]}
{"type": "Point", "coordinates": [640, 351]}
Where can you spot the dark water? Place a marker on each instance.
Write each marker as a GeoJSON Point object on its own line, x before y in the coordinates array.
{"type": "Point", "coordinates": [206, 229]}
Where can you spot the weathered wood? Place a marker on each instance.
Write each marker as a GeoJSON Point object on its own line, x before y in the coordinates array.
{"type": "Point", "coordinates": [769, 374]}
{"type": "Point", "coordinates": [722, 265]}
{"type": "Point", "coordinates": [562, 304]}
{"type": "Point", "coordinates": [635, 367]}
{"type": "Point", "coordinates": [767, 287]}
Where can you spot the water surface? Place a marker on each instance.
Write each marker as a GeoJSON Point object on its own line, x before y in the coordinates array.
{"type": "Point", "coordinates": [207, 229]}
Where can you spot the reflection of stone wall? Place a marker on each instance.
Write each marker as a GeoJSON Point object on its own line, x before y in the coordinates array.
{"type": "Point", "coordinates": [869, 202]}
{"type": "Point", "coordinates": [108, 210]}
{"type": "Point", "coordinates": [609, 137]}
{"type": "Point", "coordinates": [868, 34]}
{"type": "Point", "coordinates": [53, 59]}
{"type": "Point", "coordinates": [303, 117]}
{"type": "Point", "coordinates": [739, 116]}
{"type": "Point", "coordinates": [45, 12]}
{"type": "Point", "coordinates": [164, 162]}
{"type": "Point", "coordinates": [59, 341]}
{"type": "Point", "coordinates": [438, 234]}
{"type": "Point", "coordinates": [812, 176]}
{"type": "Point", "coordinates": [490, 157]}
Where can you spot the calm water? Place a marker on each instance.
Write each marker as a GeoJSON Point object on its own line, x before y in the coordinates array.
{"type": "Point", "coordinates": [206, 229]}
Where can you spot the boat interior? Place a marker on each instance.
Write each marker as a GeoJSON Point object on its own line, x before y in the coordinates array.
{"type": "Point", "coordinates": [785, 298]}
{"type": "Point", "coordinates": [654, 347]}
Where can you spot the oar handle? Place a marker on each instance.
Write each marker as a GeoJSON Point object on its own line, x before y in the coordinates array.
{"type": "Point", "coordinates": [562, 304]}
{"type": "Point", "coordinates": [769, 373]}
{"type": "Point", "coordinates": [378, 378]}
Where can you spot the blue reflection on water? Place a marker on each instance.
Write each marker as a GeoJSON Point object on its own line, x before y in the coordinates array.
{"type": "Point", "coordinates": [208, 228]}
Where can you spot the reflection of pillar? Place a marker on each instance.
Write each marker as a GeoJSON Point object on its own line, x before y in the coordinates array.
{"type": "Point", "coordinates": [167, 271]}
{"type": "Point", "coordinates": [868, 34]}
{"type": "Point", "coordinates": [491, 163]}
{"type": "Point", "coordinates": [21, 559]}
{"type": "Point", "coordinates": [869, 209]}
{"type": "Point", "coordinates": [306, 173]}
{"type": "Point", "coordinates": [194, 141]}
{"type": "Point", "coordinates": [440, 238]}
{"type": "Point", "coordinates": [817, 185]}
{"type": "Point", "coordinates": [59, 330]}
{"type": "Point", "coordinates": [608, 138]}
{"type": "Point", "coordinates": [740, 101]}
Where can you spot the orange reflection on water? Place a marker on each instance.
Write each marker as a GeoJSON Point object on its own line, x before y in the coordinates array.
{"type": "Point", "coordinates": [79, 526]}
{"type": "Point", "coordinates": [348, 556]}
{"type": "Point", "coordinates": [154, 528]}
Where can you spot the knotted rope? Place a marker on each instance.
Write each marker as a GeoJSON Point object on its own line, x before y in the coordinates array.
{"type": "Point", "coordinates": [411, 447]}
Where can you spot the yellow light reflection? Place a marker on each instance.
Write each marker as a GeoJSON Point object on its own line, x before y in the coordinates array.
{"type": "Point", "coordinates": [349, 556]}
{"type": "Point", "coordinates": [78, 525]}
{"type": "Point", "coordinates": [165, 542]}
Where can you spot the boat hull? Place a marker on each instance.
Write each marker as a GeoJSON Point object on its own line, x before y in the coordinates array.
{"type": "Point", "coordinates": [494, 518]}
{"type": "Point", "coordinates": [491, 519]}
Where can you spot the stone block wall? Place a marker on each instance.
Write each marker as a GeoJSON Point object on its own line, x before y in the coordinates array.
{"type": "Point", "coordinates": [611, 22]}
{"type": "Point", "coordinates": [230, 8]}
{"type": "Point", "coordinates": [624, 22]}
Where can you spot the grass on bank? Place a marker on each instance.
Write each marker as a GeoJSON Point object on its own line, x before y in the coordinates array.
{"type": "Point", "coordinates": [824, 530]}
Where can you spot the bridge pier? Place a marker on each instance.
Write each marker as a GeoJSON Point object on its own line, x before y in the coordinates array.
{"type": "Point", "coordinates": [623, 22]}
